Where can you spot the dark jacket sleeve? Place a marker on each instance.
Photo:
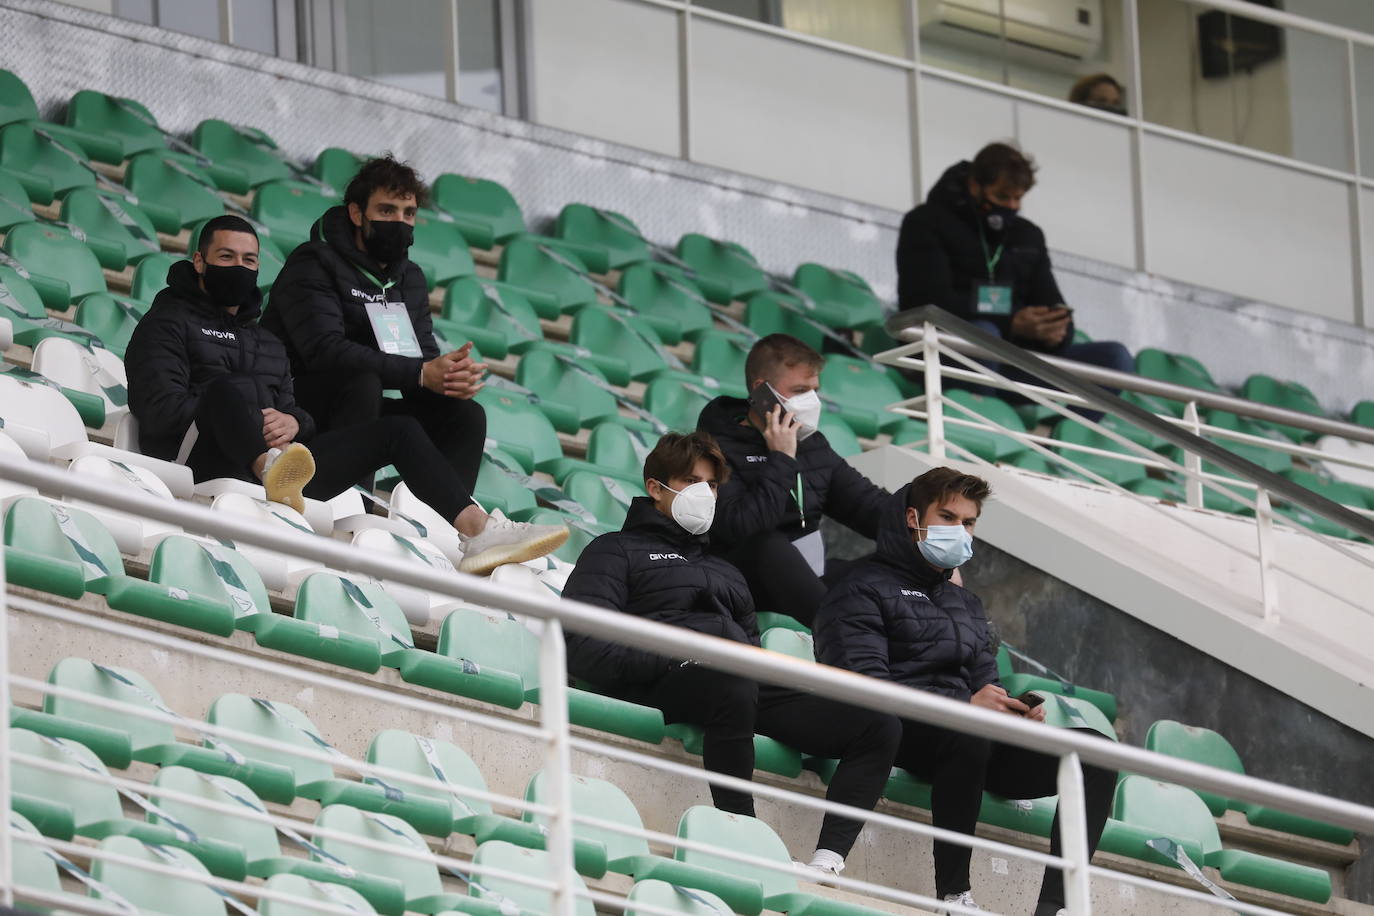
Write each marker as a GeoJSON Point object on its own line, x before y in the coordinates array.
{"type": "Point", "coordinates": [745, 509]}
{"type": "Point", "coordinates": [1044, 290]}
{"type": "Point", "coordinates": [851, 632]}
{"type": "Point", "coordinates": [286, 403]}
{"type": "Point", "coordinates": [422, 319]}
{"type": "Point", "coordinates": [984, 669]}
{"type": "Point", "coordinates": [924, 276]}
{"type": "Point", "coordinates": [601, 577]}
{"type": "Point", "coordinates": [854, 500]}
{"type": "Point", "coordinates": [159, 374]}
{"type": "Point", "coordinates": [312, 318]}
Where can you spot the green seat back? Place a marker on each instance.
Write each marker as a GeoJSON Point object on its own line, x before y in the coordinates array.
{"type": "Point", "coordinates": [473, 301]}
{"type": "Point", "coordinates": [156, 893]}
{"type": "Point", "coordinates": [1175, 368]}
{"type": "Point", "coordinates": [676, 403]}
{"type": "Point", "coordinates": [44, 169]}
{"type": "Point", "coordinates": [16, 101]}
{"type": "Point", "coordinates": [613, 446]}
{"type": "Point", "coordinates": [150, 277]}
{"type": "Point", "coordinates": [519, 427]}
{"type": "Point", "coordinates": [842, 298]}
{"type": "Point", "coordinates": [336, 167]}
{"type": "Point", "coordinates": [270, 256]}
{"type": "Point", "coordinates": [15, 206]}
{"type": "Point", "coordinates": [18, 295]}
{"type": "Point", "coordinates": [234, 148]}
{"type": "Point", "coordinates": [400, 750]}
{"type": "Point", "coordinates": [1347, 494]}
{"type": "Point", "coordinates": [187, 563]}
{"type": "Point", "coordinates": [440, 249]}
{"type": "Point", "coordinates": [486, 212]}
{"type": "Point", "coordinates": [1267, 458]}
{"type": "Point", "coordinates": [614, 232]}
{"type": "Point", "coordinates": [542, 371]}
{"type": "Point", "coordinates": [580, 534]}
{"type": "Point", "coordinates": [839, 434]}
{"type": "Point", "coordinates": [553, 287]}
{"type": "Point", "coordinates": [420, 878]}
{"type": "Point", "coordinates": [289, 209]}
{"type": "Point", "coordinates": [775, 313]}
{"type": "Point", "coordinates": [532, 863]}
{"type": "Point", "coordinates": [90, 801]}
{"type": "Point", "coordinates": [355, 606]}
{"type": "Point", "coordinates": [607, 497]}
{"type": "Point", "coordinates": [1075, 712]}
{"type": "Point", "coordinates": [64, 538]}
{"type": "Point", "coordinates": [90, 210]}
{"type": "Point", "coordinates": [171, 199]}
{"type": "Point", "coordinates": [1289, 395]}
{"type": "Point", "coordinates": [721, 355]}
{"type": "Point", "coordinates": [31, 867]}
{"type": "Point", "coordinates": [257, 838]}
{"type": "Point", "coordinates": [599, 799]}
{"type": "Point", "coordinates": [1113, 469]}
{"type": "Point", "coordinates": [236, 711]}
{"type": "Point", "coordinates": [62, 269]}
{"type": "Point", "coordinates": [666, 299]}
{"type": "Point", "coordinates": [498, 490]}
{"type": "Point", "coordinates": [298, 886]}
{"type": "Point", "coordinates": [795, 643]}
{"type": "Point", "coordinates": [1363, 413]}
{"type": "Point", "coordinates": [861, 392]}
{"type": "Point", "coordinates": [663, 895]}
{"type": "Point", "coordinates": [110, 117]}
{"type": "Point", "coordinates": [1170, 810]}
{"type": "Point", "coordinates": [986, 444]}
{"type": "Point", "coordinates": [725, 271]}
{"type": "Point", "coordinates": [1200, 745]}
{"type": "Point", "coordinates": [78, 674]}
{"type": "Point", "coordinates": [604, 330]}
{"type": "Point", "coordinates": [737, 833]}
{"type": "Point", "coordinates": [111, 318]}
{"type": "Point", "coordinates": [492, 641]}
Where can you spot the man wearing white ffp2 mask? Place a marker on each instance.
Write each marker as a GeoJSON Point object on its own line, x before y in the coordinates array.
{"type": "Point", "coordinates": [784, 478]}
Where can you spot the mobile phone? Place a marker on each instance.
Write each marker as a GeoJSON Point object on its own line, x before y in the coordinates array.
{"type": "Point", "coordinates": [763, 399]}
{"type": "Point", "coordinates": [1031, 699]}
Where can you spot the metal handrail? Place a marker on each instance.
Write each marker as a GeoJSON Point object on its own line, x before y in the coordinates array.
{"type": "Point", "coordinates": [1069, 376]}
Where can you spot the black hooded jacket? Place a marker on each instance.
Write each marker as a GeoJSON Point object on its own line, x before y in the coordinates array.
{"type": "Point", "coordinates": [318, 306]}
{"type": "Point", "coordinates": [894, 617]}
{"type": "Point", "coordinates": [761, 494]}
{"type": "Point", "coordinates": [184, 343]}
{"type": "Point", "coordinates": [940, 258]}
{"type": "Point", "coordinates": [652, 568]}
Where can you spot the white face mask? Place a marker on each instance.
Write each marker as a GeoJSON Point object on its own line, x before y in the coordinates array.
{"type": "Point", "coordinates": [694, 507]}
{"type": "Point", "coordinates": [806, 408]}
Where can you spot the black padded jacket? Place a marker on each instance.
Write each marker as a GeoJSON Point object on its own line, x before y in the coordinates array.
{"type": "Point", "coordinates": [654, 569]}
{"type": "Point", "coordinates": [940, 257]}
{"type": "Point", "coordinates": [184, 343]}
{"type": "Point", "coordinates": [318, 306]}
{"type": "Point", "coordinates": [894, 617]}
{"type": "Point", "coordinates": [762, 492]}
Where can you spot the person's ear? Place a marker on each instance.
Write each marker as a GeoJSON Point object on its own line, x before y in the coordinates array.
{"type": "Point", "coordinates": [355, 215]}
{"type": "Point", "coordinates": [913, 518]}
{"type": "Point", "coordinates": [198, 262]}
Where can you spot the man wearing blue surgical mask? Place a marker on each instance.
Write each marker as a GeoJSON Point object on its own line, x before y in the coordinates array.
{"type": "Point", "coordinates": [899, 617]}
{"type": "Point", "coordinates": [784, 478]}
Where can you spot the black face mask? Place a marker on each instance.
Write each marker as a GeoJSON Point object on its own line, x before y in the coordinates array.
{"type": "Point", "coordinates": [997, 218]}
{"type": "Point", "coordinates": [229, 285]}
{"type": "Point", "coordinates": [1115, 108]}
{"type": "Point", "coordinates": [387, 241]}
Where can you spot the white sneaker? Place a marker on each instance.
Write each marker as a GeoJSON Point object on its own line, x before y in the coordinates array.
{"type": "Point", "coordinates": [285, 474]}
{"type": "Point", "coordinates": [504, 541]}
{"type": "Point", "coordinates": [965, 900]}
{"type": "Point", "coordinates": [817, 874]}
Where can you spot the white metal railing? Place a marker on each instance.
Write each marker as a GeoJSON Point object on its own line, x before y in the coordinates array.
{"type": "Point", "coordinates": [553, 732]}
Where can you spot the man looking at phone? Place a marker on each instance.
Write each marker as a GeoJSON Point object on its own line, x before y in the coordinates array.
{"type": "Point", "coordinates": [784, 477]}
{"type": "Point", "coordinates": [969, 250]}
{"type": "Point", "coordinates": [897, 616]}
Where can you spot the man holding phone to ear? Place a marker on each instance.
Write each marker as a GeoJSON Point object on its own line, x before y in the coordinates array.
{"type": "Point", "coordinates": [784, 478]}
{"type": "Point", "coordinates": [898, 616]}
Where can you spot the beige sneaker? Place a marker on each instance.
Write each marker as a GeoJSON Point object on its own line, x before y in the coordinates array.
{"type": "Point", "coordinates": [286, 473]}
{"type": "Point", "coordinates": [504, 541]}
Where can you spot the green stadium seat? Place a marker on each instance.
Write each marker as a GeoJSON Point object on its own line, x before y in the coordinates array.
{"type": "Point", "coordinates": [617, 240]}
{"type": "Point", "coordinates": [174, 192]}
{"type": "Point", "coordinates": [288, 209]}
{"type": "Point", "coordinates": [1063, 711]}
{"type": "Point", "coordinates": [670, 896]}
{"type": "Point", "coordinates": [1017, 683]}
{"type": "Point", "coordinates": [612, 448]}
{"type": "Point", "coordinates": [725, 271]}
{"type": "Point", "coordinates": [401, 750]}
{"type": "Point", "coordinates": [270, 257]}
{"type": "Point", "coordinates": [1149, 809]}
{"type": "Point", "coordinates": [580, 532]}
{"type": "Point", "coordinates": [1289, 395]}
{"type": "Point", "coordinates": [1177, 369]}
{"type": "Point", "coordinates": [150, 277]}
{"type": "Point", "coordinates": [508, 892]}
{"type": "Point", "coordinates": [525, 430]}
{"type": "Point", "coordinates": [155, 892]}
{"type": "Point", "coordinates": [45, 170]}
{"type": "Point", "coordinates": [778, 313]}
{"type": "Point", "coordinates": [125, 126]}
{"type": "Point", "coordinates": [677, 402]}
{"type": "Point", "coordinates": [568, 397]}
{"type": "Point", "coordinates": [496, 317]}
{"type": "Point", "coordinates": [15, 206]}
{"type": "Point", "coordinates": [768, 620]}
{"type": "Point", "coordinates": [498, 490]}
{"type": "Point", "coordinates": [988, 445]}
{"type": "Point", "coordinates": [609, 331]}
{"type": "Point", "coordinates": [118, 232]}
{"type": "Point", "coordinates": [1118, 471]}
{"type": "Point", "coordinates": [552, 286]}
{"type": "Point", "coordinates": [422, 889]}
{"type": "Point", "coordinates": [216, 575]}
{"type": "Point", "coordinates": [1347, 494]}
{"type": "Point", "coordinates": [751, 836]}
{"type": "Point", "coordinates": [336, 167]}
{"type": "Point", "coordinates": [770, 755]}
{"type": "Point", "coordinates": [1202, 745]}
{"type": "Point", "coordinates": [789, 641]}
{"type": "Point", "coordinates": [1267, 458]}
{"type": "Point", "coordinates": [16, 101]}
{"type": "Point", "coordinates": [1363, 413]}
{"type": "Point", "coordinates": [664, 298]}
{"type": "Point", "coordinates": [607, 497]}
{"type": "Point", "coordinates": [440, 249]}
{"type": "Point", "coordinates": [61, 268]}
{"type": "Point", "coordinates": [58, 549]}
{"type": "Point", "coordinates": [32, 868]}
{"type": "Point", "coordinates": [243, 157]}
{"type": "Point", "coordinates": [842, 298]}
{"type": "Point", "coordinates": [720, 355]}
{"type": "Point", "coordinates": [485, 211]}
{"type": "Point", "coordinates": [840, 435]}
{"type": "Point", "coordinates": [860, 392]}
{"type": "Point", "coordinates": [30, 322]}
{"type": "Point", "coordinates": [298, 886]}
{"type": "Point", "coordinates": [362, 608]}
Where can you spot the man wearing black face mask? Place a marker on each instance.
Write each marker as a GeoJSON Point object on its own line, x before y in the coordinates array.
{"type": "Point", "coordinates": [968, 250]}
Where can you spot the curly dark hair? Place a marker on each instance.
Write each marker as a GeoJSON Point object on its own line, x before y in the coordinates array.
{"type": "Point", "coordinates": [385, 173]}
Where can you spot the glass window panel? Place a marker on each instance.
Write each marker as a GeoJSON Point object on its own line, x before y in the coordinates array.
{"type": "Point", "coordinates": [194, 17]}
{"type": "Point", "coordinates": [255, 25]}
{"type": "Point", "coordinates": [479, 54]}
{"type": "Point", "coordinates": [409, 54]}
{"type": "Point", "coordinates": [1364, 96]}
{"type": "Point", "coordinates": [137, 10]}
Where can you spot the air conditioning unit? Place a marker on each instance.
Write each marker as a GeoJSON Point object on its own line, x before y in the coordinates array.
{"type": "Point", "coordinates": [1049, 32]}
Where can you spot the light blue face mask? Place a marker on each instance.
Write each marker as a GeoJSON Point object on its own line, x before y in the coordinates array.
{"type": "Point", "coordinates": [946, 546]}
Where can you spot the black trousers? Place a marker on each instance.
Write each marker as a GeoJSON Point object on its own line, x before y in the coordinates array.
{"type": "Point", "coordinates": [779, 577]}
{"type": "Point", "coordinates": [732, 709]}
{"type": "Point", "coordinates": [456, 427]}
{"type": "Point", "coordinates": [960, 767]}
{"type": "Point", "coordinates": [229, 424]}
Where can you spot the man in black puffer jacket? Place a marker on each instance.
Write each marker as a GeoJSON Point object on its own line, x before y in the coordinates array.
{"type": "Point", "coordinates": [658, 567]}
{"type": "Point", "coordinates": [897, 616]}
{"type": "Point", "coordinates": [784, 478]}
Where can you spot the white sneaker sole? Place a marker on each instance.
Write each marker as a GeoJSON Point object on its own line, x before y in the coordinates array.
{"type": "Point", "coordinates": [483, 563]}
{"type": "Point", "coordinates": [288, 476]}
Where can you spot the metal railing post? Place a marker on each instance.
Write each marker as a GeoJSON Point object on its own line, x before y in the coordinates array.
{"type": "Point", "coordinates": [6, 842]}
{"type": "Point", "coordinates": [553, 711]}
{"type": "Point", "coordinates": [1073, 832]}
{"type": "Point", "coordinates": [1264, 525]}
{"type": "Point", "coordinates": [935, 414]}
{"type": "Point", "coordinates": [1192, 461]}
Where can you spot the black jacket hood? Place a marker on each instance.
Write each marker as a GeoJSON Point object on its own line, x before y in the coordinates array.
{"type": "Point", "coordinates": [951, 192]}
{"type": "Point", "coordinates": [897, 550]}
{"type": "Point", "coordinates": [336, 230]}
{"type": "Point", "coordinates": [721, 418]}
{"type": "Point", "coordinates": [183, 289]}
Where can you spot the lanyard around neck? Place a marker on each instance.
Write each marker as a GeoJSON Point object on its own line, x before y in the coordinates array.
{"type": "Point", "coordinates": [992, 258]}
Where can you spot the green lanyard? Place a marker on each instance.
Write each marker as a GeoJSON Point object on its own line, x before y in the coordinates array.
{"type": "Point", "coordinates": [801, 502]}
{"type": "Point", "coordinates": [993, 258]}
{"type": "Point", "coordinates": [384, 286]}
